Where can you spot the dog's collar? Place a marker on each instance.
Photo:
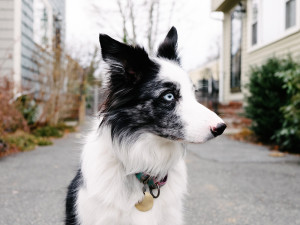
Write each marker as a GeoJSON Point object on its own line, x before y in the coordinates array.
{"type": "Point", "coordinates": [152, 182]}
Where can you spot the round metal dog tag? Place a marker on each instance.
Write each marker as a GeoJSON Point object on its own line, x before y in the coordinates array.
{"type": "Point", "coordinates": [146, 204]}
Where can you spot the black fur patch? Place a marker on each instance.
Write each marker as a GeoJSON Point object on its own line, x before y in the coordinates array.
{"type": "Point", "coordinates": [168, 48]}
{"type": "Point", "coordinates": [145, 111]}
{"type": "Point", "coordinates": [71, 199]}
{"type": "Point", "coordinates": [135, 102]}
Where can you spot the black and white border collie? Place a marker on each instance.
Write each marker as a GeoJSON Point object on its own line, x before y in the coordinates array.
{"type": "Point", "coordinates": [150, 112]}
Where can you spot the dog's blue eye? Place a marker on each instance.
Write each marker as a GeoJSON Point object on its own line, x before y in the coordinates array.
{"type": "Point", "coordinates": [169, 97]}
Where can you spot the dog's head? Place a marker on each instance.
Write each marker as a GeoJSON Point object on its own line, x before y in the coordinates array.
{"type": "Point", "coordinates": [153, 95]}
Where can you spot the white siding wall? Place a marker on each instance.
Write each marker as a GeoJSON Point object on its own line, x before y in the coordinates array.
{"type": "Point", "coordinates": [6, 37]}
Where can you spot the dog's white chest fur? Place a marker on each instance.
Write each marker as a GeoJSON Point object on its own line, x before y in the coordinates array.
{"type": "Point", "coordinates": [110, 189]}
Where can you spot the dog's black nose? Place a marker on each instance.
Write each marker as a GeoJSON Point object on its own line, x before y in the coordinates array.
{"type": "Point", "coordinates": [218, 130]}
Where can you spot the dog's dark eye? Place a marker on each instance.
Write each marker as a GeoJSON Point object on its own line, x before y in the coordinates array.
{"type": "Point", "coordinates": [169, 97]}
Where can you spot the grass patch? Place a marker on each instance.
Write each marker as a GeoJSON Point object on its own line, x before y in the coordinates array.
{"type": "Point", "coordinates": [24, 141]}
{"type": "Point", "coordinates": [47, 131]}
{"type": "Point", "coordinates": [53, 131]}
{"type": "Point", "coordinates": [64, 127]}
{"type": "Point", "coordinates": [41, 141]}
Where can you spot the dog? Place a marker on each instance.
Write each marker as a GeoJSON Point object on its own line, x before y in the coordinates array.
{"type": "Point", "coordinates": [132, 168]}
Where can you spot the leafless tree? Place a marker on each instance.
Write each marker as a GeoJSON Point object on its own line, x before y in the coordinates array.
{"type": "Point", "coordinates": [137, 18]}
{"type": "Point", "coordinates": [60, 85]}
{"type": "Point", "coordinates": [215, 48]}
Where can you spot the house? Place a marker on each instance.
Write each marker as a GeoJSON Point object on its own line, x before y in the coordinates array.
{"type": "Point", "coordinates": [206, 78]}
{"type": "Point", "coordinates": [206, 81]}
{"type": "Point", "coordinates": [253, 31]}
{"type": "Point", "coordinates": [26, 27]}
{"type": "Point", "coordinates": [207, 72]}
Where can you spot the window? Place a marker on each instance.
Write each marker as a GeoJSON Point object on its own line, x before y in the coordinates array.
{"type": "Point", "coordinates": [254, 22]}
{"type": "Point", "coordinates": [236, 49]}
{"type": "Point", "coordinates": [290, 13]}
{"type": "Point", "coordinates": [271, 21]}
{"type": "Point", "coordinates": [42, 28]}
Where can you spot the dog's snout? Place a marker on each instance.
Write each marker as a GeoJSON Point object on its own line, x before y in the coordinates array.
{"type": "Point", "coordinates": [218, 130]}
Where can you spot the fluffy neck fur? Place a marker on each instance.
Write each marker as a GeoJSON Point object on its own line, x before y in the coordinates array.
{"type": "Point", "coordinates": [110, 189]}
{"type": "Point", "coordinates": [150, 154]}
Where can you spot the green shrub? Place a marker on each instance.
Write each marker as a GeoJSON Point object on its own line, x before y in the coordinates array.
{"type": "Point", "coordinates": [48, 131]}
{"type": "Point", "coordinates": [53, 131]}
{"type": "Point", "coordinates": [273, 104]}
{"type": "Point", "coordinates": [267, 96]}
{"type": "Point", "coordinates": [28, 107]}
{"type": "Point", "coordinates": [289, 134]}
{"type": "Point", "coordinates": [64, 127]}
{"type": "Point", "coordinates": [25, 141]}
{"type": "Point", "coordinates": [43, 141]}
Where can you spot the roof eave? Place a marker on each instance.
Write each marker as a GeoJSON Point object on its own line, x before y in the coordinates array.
{"type": "Point", "coordinates": [224, 5]}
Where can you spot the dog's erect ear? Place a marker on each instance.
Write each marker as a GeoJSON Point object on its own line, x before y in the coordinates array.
{"type": "Point", "coordinates": [131, 61]}
{"type": "Point", "coordinates": [168, 48]}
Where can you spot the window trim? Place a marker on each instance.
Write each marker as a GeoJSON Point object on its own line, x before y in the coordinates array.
{"type": "Point", "coordinates": [287, 32]}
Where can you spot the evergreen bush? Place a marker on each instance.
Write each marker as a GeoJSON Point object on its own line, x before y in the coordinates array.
{"type": "Point", "coordinates": [48, 131]}
{"type": "Point", "coordinates": [289, 134]}
{"type": "Point", "coordinates": [271, 105]}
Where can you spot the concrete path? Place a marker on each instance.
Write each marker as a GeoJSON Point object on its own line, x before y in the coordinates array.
{"type": "Point", "coordinates": [33, 184]}
{"type": "Point", "coordinates": [236, 183]}
{"type": "Point", "coordinates": [229, 183]}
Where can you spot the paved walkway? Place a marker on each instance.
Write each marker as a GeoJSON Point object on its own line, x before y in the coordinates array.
{"type": "Point", "coordinates": [229, 183]}
{"type": "Point", "coordinates": [237, 183]}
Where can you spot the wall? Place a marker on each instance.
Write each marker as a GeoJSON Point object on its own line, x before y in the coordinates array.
{"type": "Point", "coordinates": [6, 37]}
{"type": "Point", "coordinates": [28, 64]}
{"type": "Point", "coordinates": [29, 50]}
{"type": "Point", "coordinates": [288, 45]}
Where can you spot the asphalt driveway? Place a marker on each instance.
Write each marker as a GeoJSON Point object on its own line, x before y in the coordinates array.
{"type": "Point", "coordinates": [229, 183]}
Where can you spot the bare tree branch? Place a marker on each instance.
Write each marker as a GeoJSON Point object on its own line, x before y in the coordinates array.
{"type": "Point", "coordinates": [150, 28]}
{"type": "Point", "coordinates": [134, 25]}
{"type": "Point", "coordinates": [132, 19]}
{"type": "Point", "coordinates": [123, 15]}
{"type": "Point", "coordinates": [171, 12]}
{"type": "Point", "coordinates": [157, 22]}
